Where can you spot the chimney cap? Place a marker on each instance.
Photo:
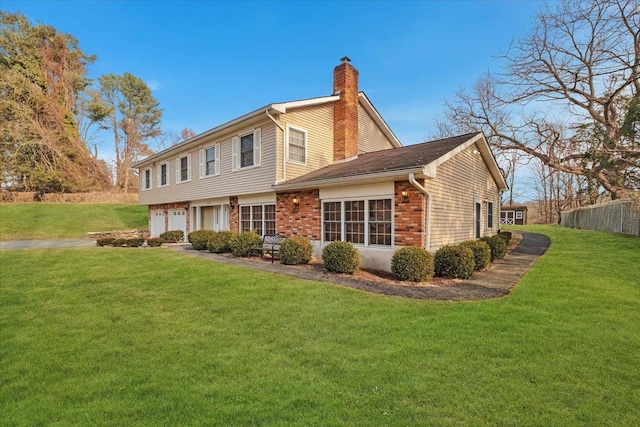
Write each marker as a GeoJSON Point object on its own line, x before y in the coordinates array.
{"type": "Point", "coordinates": [345, 59]}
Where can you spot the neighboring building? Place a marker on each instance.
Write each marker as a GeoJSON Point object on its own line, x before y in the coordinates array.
{"type": "Point", "coordinates": [327, 168]}
{"type": "Point", "coordinates": [513, 215]}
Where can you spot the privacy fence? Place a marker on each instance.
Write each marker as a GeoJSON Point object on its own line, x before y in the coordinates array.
{"type": "Point", "coordinates": [618, 216]}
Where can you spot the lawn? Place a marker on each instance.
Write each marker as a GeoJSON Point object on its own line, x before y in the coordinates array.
{"type": "Point", "coordinates": [25, 221]}
{"type": "Point", "coordinates": [117, 336]}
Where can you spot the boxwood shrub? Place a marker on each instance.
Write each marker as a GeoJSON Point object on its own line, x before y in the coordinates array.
{"type": "Point", "coordinates": [173, 236]}
{"type": "Point", "coordinates": [220, 242]}
{"type": "Point", "coordinates": [454, 261]}
{"type": "Point", "coordinates": [119, 242]}
{"type": "Point", "coordinates": [296, 250]}
{"type": "Point", "coordinates": [497, 245]}
{"type": "Point", "coordinates": [412, 264]}
{"type": "Point", "coordinates": [155, 242]}
{"type": "Point", "coordinates": [340, 257]}
{"type": "Point", "coordinates": [245, 244]}
{"type": "Point", "coordinates": [107, 241]}
{"type": "Point", "coordinates": [506, 236]}
{"type": "Point", "coordinates": [199, 238]}
{"type": "Point", "coordinates": [481, 253]}
{"type": "Point", "coordinates": [134, 243]}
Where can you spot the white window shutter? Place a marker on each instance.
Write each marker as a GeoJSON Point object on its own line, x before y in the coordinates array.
{"type": "Point", "coordinates": [189, 167]}
{"type": "Point", "coordinates": [217, 168]}
{"type": "Point", "coordinates": [234, 153]}
{"type": "Point", "coordinates": [256, 147]}
{"type": "Point", "coordinates": [201, 168]}
{"type": "Point", "coordinates": [178, 170]}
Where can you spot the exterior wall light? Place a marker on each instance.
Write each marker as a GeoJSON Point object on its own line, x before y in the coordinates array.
{"type": "Point", "coordinates": [405, 194]}
{"type": "Point", "coordinates": [296, 200]}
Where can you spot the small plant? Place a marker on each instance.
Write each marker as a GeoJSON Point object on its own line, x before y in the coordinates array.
{"type": "Point", "coordinates": [118, 243]}
{"type": "Point", "coordinates": [246, 244]}
{"type": "Point", "coordinates": [412, 263]}
{"type": "Point", "coordinates": [497, 245]}
{"type": "Point", "coordinates": [173, 236]}
{"type": "Point", "coordinates": [107, 241]}
{"type": "Point", "coordinates": [155, 242]}
{"type": "Point", "coordinates": [220, 242]}
{"type": "Point", "coordinates": [506, 236]}
{"type": "Point", "coordinates": [341, 257]}
{"type": "Point", "coordinates": [454, 261]}
{"type": "Point", "coordinates": [134, 243]}
{"type": "Point", "coordinates": [296, 250]}
{"type": "Point", "coordinates": [481, 253]}
{"type": "Point", "coordinates": [199, 238]}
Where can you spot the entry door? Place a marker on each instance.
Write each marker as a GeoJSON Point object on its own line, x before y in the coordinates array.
{"type": "Point", "coordinates": [157, 223]}
{"type": "Point", "coordinates": [178, 220]}
{"type": "Point", "coordinates": [478, 221]}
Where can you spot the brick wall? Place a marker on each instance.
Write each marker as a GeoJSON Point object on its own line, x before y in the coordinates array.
{"type": "Point", "coordinates": [234, 214]}
{"type": "Point", "coordinates": [345, 112]}
{"type": "Point", "coordinates": [303, 219]}
{"type": "Point", "coordinates": [409, 215]}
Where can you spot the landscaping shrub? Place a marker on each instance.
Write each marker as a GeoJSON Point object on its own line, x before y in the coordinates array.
{"type": "Point", "coordinates": [220, 242]}
{"type": "Point", "coordinates": [497, 245]}
{"type": "Point", "coordinates": [454, 261]}
{"type": "Point", "coordinates": [296, 250]}
{"type": "Point", "coordinates": [119, 242]}
{"type": "Point", "coordinates": [199, 238]}
{"type": "Point", "coordinates": [174, 236]}
{"type": "Point", "coordinates": [155, 242]}
{"type": "Point", "coordinates": [107, 241]}
{"type": "Point", "coordinates": [506, 236]}
{"type": "Point", "coordinates": [245, 244]}
{"type": "Point", "coordinates": [340, 257]}
{"type": "Point", "coordinates": [481, 253]}
{"type": "Point", "coordinates": [412, 263]}
{"type": "Point", "coordinates": [134, 243]}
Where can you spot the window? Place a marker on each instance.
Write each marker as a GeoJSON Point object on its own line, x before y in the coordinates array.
{"type": "Point", "coordinates": [245, 150]}
{"type": "Point", "coordinates": [270, 219]}
{"type": "Point", "coordinates": [183, 168]}
{"type": "Point", "coordinates": [210, 161]}
{"type": "Point", "coordinates": [489, 215]}
{"type": "Point", "coordinates": [363, 222]}
{"type": "Point", "coordinates": [245, 218]}
{"type": "Point", "coordinates": [518, 214]}
{"type": "Point", "coordinates": [296, 145]}
{"type": "Point", "coordinates": [163, 172]}
{"type": "Point", "coordinates": [260, 219]}
{"type": "Point", "coordinates": [146, 185]}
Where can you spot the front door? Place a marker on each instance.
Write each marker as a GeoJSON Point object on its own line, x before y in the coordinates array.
{"type": "Point", "coordinates": [478, 220]}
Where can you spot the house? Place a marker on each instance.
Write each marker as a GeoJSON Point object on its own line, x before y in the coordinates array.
{"type": "Point", "coordinates": [328, 168]}
{"type": "Point", "coordinates": [513, 215]}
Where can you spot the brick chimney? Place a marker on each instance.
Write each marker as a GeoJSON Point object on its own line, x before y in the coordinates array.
{"type": "Point", "coordinates": [345, 111]}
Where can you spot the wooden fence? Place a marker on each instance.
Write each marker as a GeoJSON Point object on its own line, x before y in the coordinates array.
{"type": "Point", "coordinates": [618, 216]}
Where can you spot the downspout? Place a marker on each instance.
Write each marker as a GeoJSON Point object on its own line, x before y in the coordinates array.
{"type": "Point", "coordinates": [284, 160]}
{"type": "Point", "coordinates": [416, 184]}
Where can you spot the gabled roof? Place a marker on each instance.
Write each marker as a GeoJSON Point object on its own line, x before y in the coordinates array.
{"type": "Point", "coordinates": [421, 159]}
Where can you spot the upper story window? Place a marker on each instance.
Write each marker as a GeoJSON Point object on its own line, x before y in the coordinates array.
{"type": "Point", "coordinates": [146, 179]}
{"type": "Point", "coordinates": [163, 175]}
{"type": "Point", "coordinates": [210, 161]}
{"type": "Point", "coordinates": [245, 150]}
{"type": "Point", "coordinates": [363, 222]}
{"type": "Point", "coordinates": [183, 169]}
{"type": "Point", "coordinates": [296, 145]}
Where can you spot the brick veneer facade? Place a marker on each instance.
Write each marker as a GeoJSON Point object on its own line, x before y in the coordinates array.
{"type": "Point", "coordinates": [345, 112]}
{"type": "Point", "coordinates": [165, 207]}
{"type": "Point", "coordinates": [303, 219]}
{"type": "Point", "coordinates": [234, 214]}
{"type": "Point", "coordinates": [409, 215]}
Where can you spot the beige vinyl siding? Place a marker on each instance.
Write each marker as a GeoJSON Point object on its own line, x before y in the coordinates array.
{"type": "Point", "coordinates": [460, 181]}
{"type": "Point", "coordinates": [370, 137]}
{"type": "Point", "coordinates": [318, 122]}
{"type": "Point", "coordinates": [227, 183]}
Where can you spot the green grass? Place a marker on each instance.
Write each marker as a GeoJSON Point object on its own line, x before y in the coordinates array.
{"type": "Point", "coordinates": [25, 221]}
{"type": "Point", "coordinates": [108, 336]}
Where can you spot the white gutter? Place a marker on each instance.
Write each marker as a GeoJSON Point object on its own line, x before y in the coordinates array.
{"type": "Point", "coordinates": [284, 154]}
{"type": "Point", "coordinates": [368, 178]}
{"type": "Point", "coordinates": [416, 184]}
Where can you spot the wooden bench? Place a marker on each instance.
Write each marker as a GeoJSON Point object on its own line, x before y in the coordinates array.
{"type": "Point", "coordinates": [271, 245]}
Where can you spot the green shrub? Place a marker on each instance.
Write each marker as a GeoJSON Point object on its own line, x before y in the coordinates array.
{"type": "Point", "coordinates": [173, 236]}
{"type": "Point", "coordinates": [481, 253]}
{"type": "Point", "coordinates": [412, 263]}
{"type": "Point", "coordinates": [220, 242]}
{"type": "Point", "coordinates": [119, 242]}
{"type": "Point", "coordinates": [497, 245]}
{"type": "Point", "coordinates": [107, 241]}
{"type": "Point", "coordinates": [296, 250]}
{"type": "Point", "coordinates": [340, 257]}
{"type": "Point", "coordinates": [155, 242]}
{"type": "Point", "coordinates": [135, 243]}
{"type": "Point", "coordinates": [506, 236]}
{"type": "Point", "coordinates": [454, 261]}
{"type": "Point", "coordinates": [245, 244]}
{"type": "Point", "coordinates": [199, 238]}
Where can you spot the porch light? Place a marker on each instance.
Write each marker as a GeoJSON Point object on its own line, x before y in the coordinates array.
{"type": "Point", "coordinates": [296, 200]}
{"type": "Point", "coordinates": [405, 194]}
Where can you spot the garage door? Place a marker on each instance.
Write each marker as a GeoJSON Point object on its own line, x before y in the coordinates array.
{"type": "Point", "coordinates": [178, 220]}
{"type": "Point", "coordinates": [157, 223]}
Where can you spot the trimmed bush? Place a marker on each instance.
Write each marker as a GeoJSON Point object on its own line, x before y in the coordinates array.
{"type": "Point", "coordinates": [118, 242]}
{"type": "Point", "coordinates": [506, 236]}
{"type": "Point", "coordinates": [155, 242]}
{"type": "Point", "coordinates": [412, 263]}
{"type": "Point", "coordinates": [296, 250]}
{"type": "Point", "coordinates": [135, 243]}
{"type": "Point", "coordinates": [199, 238]}
{"type": "Point", "coordinates": [108, 241]}
{"type": "Point", "coordinates": [340, 257]}
{"type": "Point", "coordinates": [173, 236]}
{"type": "Point", "coordinates": [497, 245]}
{"type": "Point", "coordinates": [245, 244]}
{"type": "Point", "coordinates": [454, 261]}
{"type": "Point", "coordinates": [220, 242]}
{"type": "Point", "coordinates": [481, 253]}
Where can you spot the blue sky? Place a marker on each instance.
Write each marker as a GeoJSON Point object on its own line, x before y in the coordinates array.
{"type": "Point", "coordinates": [209, 62]}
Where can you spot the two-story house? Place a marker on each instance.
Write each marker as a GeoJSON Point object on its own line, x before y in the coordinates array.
{"type": "Point", "coordinates": [328, 168]}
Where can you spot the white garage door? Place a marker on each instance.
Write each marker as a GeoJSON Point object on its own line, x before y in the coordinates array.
{"type": "Point", "coordinates": [178, 220]}
{"type": "Point", "coordinates": [157, 223]}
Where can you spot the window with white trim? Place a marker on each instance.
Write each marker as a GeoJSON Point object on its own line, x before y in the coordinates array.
{"type": "Point", "coordinates": [489, 215]}
{"type": "Point", "coordinates": [146, 179]}
{"type": "Point", "coordinates": [245, 150]}
{"type": "Point", "coordinates": [183, 169]}
{"type": "Point", "coordinates": [361, 222]}
{"type": "Point", "coordinates": [260, 219]}
{"type": "Point", "coordinates": [518, 214]}
{"type": "Point", "coordinates": [210, 161]}
{"type": "Point", "coordinates": [163, 175]}
{"type": "Point", "coordinates": [296, 145]}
